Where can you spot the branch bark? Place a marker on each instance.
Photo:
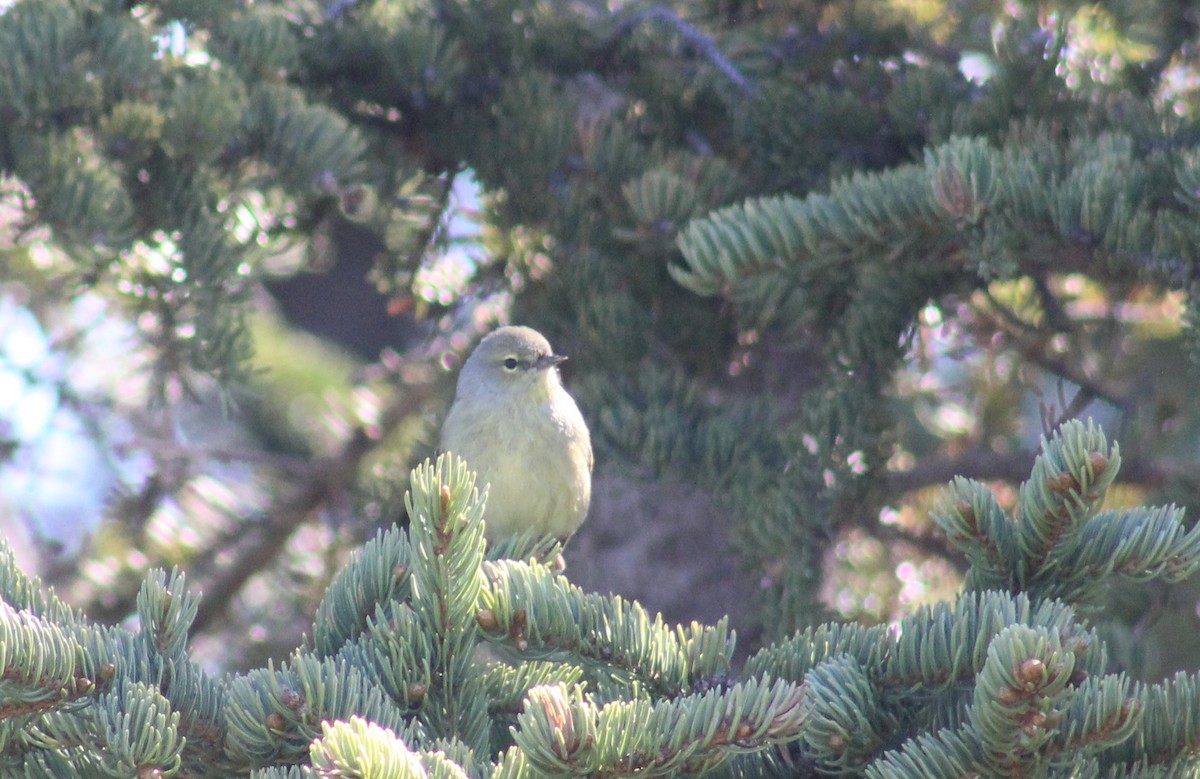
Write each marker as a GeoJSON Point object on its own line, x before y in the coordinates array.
{"type": "Point", "coordinates": [222, 575]}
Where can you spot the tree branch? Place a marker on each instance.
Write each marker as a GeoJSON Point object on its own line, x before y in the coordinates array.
{"type": "Point", "coordinates": [262, 541]}
{"type": "Point", "coordinates": [1014, 467]}
{"type": "Point", "coordinates": [1026, 339]}
{"type": "Point", "coordinates": [702, 43]}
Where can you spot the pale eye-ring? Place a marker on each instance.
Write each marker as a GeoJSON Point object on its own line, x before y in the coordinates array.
{"type": "Point", "coordinates": [510, 364]}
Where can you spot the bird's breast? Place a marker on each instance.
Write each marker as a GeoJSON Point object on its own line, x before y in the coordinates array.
{"type": "Point", "coordinates": [537, 460]}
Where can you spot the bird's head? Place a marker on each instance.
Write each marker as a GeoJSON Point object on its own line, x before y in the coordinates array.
{"type": "Point", "coordinates": [515, 362]}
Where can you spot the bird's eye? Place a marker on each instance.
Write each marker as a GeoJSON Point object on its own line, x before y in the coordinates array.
{"type": "Point", "coordinates": [510, 364]}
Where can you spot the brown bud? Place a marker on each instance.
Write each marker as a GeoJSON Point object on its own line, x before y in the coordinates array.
{"type": "Point", "coordinates": [358, 202]}
{"type": "Point", "coordinates": [1033, 722]}
{"type": "Point", "coordinates": [84, 685]}
{"type": "Point", "coordinates": [516, 631]}
{"type": "Point", "coordinates": [415, 693]}
{"type": "Point", "coordinates": [1009, 697]}
{"type": "Point", "coordinates": [1077, 645]}
{"type": "Point", "coordinates": [149, 772]}
{"type": "Point", "coordinates": [1062, 483]}
{"type": "Point", "coordinates": [1099, 464]}
{"type": "Point", "coordinates": [487, 621]}
{"type": "Point", "coordinates": [292, 699]}
{"type": "Point", "coordinates": [1032, 671]}
{"type": "Point", "coordinates": [275, 722]}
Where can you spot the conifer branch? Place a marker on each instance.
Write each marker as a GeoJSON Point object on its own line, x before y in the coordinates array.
{"type": "Point", "coordinates": [692, 36]}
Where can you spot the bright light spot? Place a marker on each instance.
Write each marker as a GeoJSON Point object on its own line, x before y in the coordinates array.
{"type": "Point", "coordinates": [1098, 49]}
{"type": "Point", "coordinates": [976, 66]}
{"type": "Point", "coordinates": [952, 419]}
{"type": "Point", "coordinates": [368, 405]}
{"type": "Point", "coordinates": [159, 259]}
{"type": "Point", "coordinates": [23, 344]}
{"type": "Point", "coordinates": [1178, 86]}
{"type": "Point", "coordinates": [42, 257]}
{"type": "Point", "coordinates": [172, 40]}
{"type": "Point", "coordinates": [33, 411]}
{"type": "Point", "coordinates": [928, 382]}
{"type": "Point", "coordinates": [11, 386]}
{"type": "Point", "coordinates": [446, 278]}
{"type": "Point", "coordinates": [1074, 284]}
{"type": "Point", "coordinates": [55, 478]}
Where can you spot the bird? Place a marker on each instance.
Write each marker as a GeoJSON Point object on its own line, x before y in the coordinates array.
{"type": "Point", "coordinates": [521, 432]}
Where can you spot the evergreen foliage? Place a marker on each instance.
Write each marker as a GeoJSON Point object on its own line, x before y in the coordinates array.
{"type": "Point", "coordinates": [1003, 681]}
{"type": "Point", "coordinates": [740, 219]}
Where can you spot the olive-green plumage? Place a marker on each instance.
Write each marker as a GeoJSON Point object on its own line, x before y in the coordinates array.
{"type": "Point", "coordinates": [518, 429]}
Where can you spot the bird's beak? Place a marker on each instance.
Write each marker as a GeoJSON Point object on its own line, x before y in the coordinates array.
{"type": "Point", "coordinates": [549, 361]}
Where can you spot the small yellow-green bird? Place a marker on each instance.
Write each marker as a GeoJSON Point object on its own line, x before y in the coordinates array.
{"type": "Point", "coordinates": [518, 429]}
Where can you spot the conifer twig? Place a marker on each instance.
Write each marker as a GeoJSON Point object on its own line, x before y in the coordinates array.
{"type": "Point", "coordinates": [702, 43]}
{"type": "Point", "coordinates": [984, 465]}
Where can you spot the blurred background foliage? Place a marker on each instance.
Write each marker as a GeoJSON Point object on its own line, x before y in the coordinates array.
{"type": "Point", "coordinates": [244, 248]}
